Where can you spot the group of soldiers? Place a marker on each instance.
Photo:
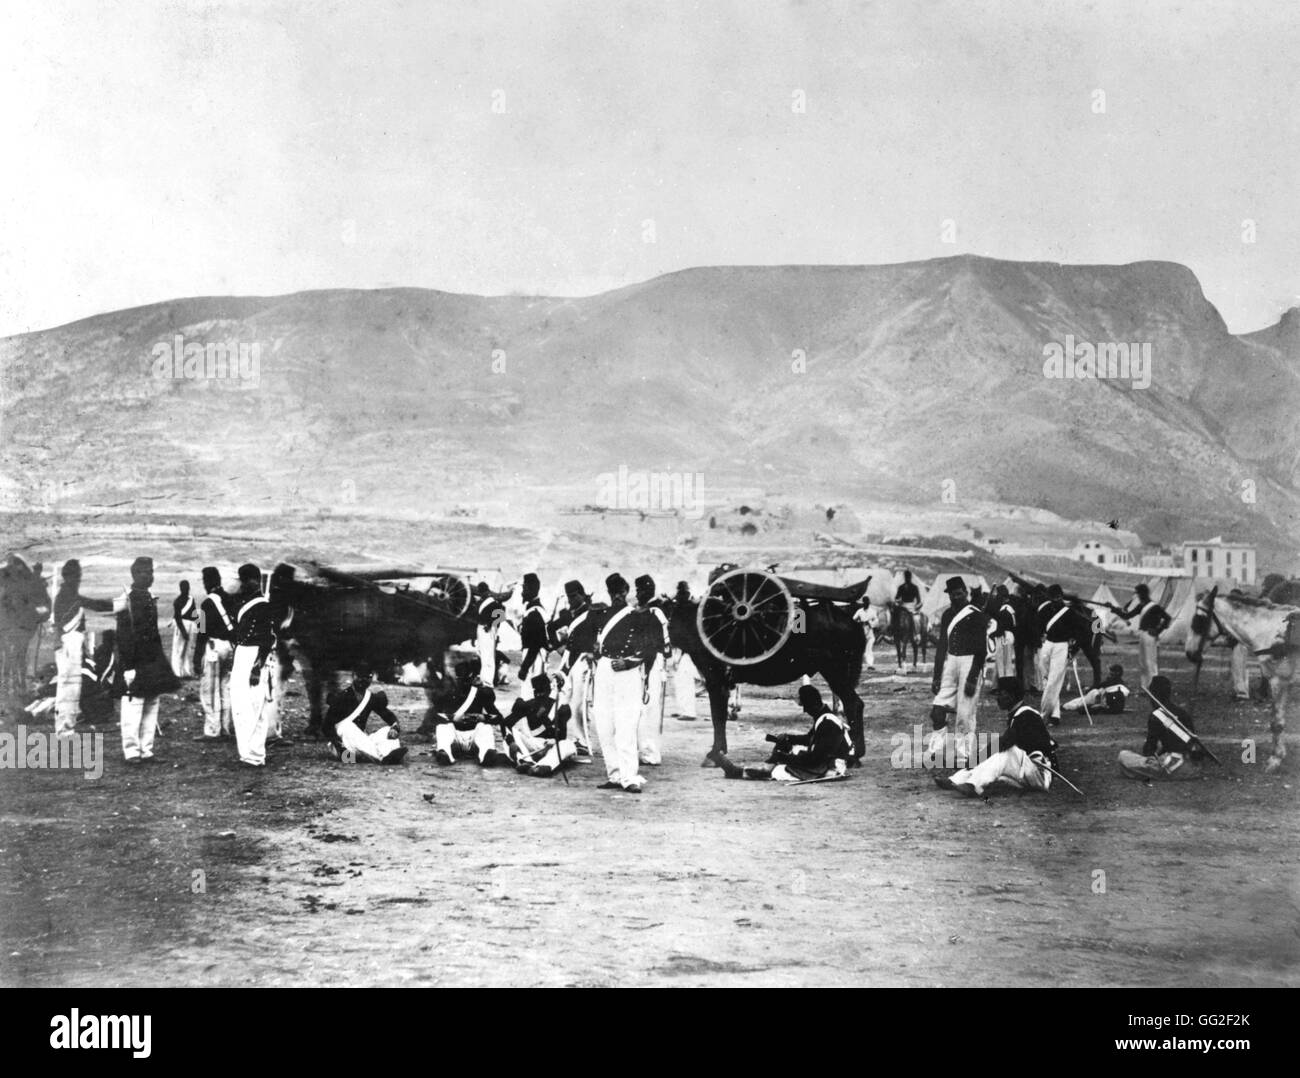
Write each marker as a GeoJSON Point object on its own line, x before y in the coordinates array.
{"type": "Point", "coordinates": [608, 689]}
{"type": "Point", "coordinates": [1026, 642]}
{"type": "Point", "coordinates": [612, 675]}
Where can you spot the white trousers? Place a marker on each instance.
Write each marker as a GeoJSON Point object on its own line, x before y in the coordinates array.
{"type": "Point", "coordinates": [1011, 767]}
{"type": "Point", "coordinates": [869, 656]}
{"type": "Point", "coordinates": [374, 747]}
{"type": "Point", "coordinates": [1148, 660]}
{"type": "Point", "coordinates": [952, 695]}
{"type": "Point", "coordinates": [1004, 656]}
{"type": "Point", "coordinates": [477, 742]}
{"type": "Point", "coordinates": [1055, 660]}
{"type": "Point", "coordinates": [617, 708]}
{"type": "Point", "coordinates": [577, 694]}
{"type": "Point", "coordinates": [1094, 698]}
{"type": "Point", "coordinates": [248, 704]}
{"type": "Point", "coordinates": [183, 652]}
{"type": "Point", "coordinates": [538, 751]}
{"type": "Point", "coordinates": [537, 666]}
{"type": "Point", "coordinates": [651, 723]}
{"type": "Point", "coordinates": [139, 722]}
{"type": "Point", "coordinates": [214, 695]}
{"type": "Point", "coordinates": [684, 686]}
{"type": "Point", "coordinates": [67, 687]}
{"type": "Point", "coordinates": [486, 642]}
{"type": "Point", "coordinates": [275, 705]}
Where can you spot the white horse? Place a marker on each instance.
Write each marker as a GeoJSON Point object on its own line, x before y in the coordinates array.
{"type": "Point", "coordinates": [1267, 629]}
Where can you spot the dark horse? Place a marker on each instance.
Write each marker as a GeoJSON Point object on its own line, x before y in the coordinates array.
{"type": "Point", "coordinates": [831, 644]}
{"type": "Point", "coordinates": [24, 605]}
{"type": "Point", "coordinates": [336, 624]}
{"type": "Point", "coordinates": [908, 627]}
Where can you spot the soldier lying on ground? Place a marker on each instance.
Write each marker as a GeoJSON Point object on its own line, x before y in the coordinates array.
{"type": "Point", "coordinates": [1108, 698]}
{"type": "Point", "coordinates": [1027, 750]}
{"type": "Point", "coordinates": [821, 752]}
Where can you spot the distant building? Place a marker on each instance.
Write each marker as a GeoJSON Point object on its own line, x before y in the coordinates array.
{"type": "Point", "coordinates": [1219, 558]}
{"type": "Point", "coordinates": [1158, 559]}
{"type": "Point", "coordinates": [1099, 552]}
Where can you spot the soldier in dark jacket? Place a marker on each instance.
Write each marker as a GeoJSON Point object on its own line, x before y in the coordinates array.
{"type": "Point", "coordinates": [143, 670]}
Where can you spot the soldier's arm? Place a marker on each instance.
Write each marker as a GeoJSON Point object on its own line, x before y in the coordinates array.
{"type": "Point", "coordinates": [100, 606]}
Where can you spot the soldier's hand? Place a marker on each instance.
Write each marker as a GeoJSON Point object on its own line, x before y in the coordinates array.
{"type": "Point", "coordinates": [969, 688]}
{"type": "Point", "coordinates": [255, 675]}
{"type": "Point", "coordinates": [129, 677]}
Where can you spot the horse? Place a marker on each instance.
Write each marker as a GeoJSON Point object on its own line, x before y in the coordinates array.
{"type": "Point", "coordinates": [24, 606]}
{"type": "Point", "coordinates": [340, 622]}
{"type": "Point", "coordinates": [1267, 629]}
{"type": "Point", "coordinates": [831, 644]}
{"type": "Point", "coordinates": [908, 626]}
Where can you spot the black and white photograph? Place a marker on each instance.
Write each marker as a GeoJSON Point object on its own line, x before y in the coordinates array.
{"type": "Point", "coordinates": [467, 470]}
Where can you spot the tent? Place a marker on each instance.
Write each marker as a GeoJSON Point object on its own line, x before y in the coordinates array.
{"type": "Point", "coordinates": [935, 601]}
{"type": "Point", "coordinates": [1180, 604]}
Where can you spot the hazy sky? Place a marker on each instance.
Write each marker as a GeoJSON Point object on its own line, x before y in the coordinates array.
{"type": "Point", "coordinates": [186, 148]}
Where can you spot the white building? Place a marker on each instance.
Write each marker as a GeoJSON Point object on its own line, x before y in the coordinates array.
{"type": "Point", "coordinates": [1217, 558]}
{"type": "Point", "coordinates": [1099, 552]}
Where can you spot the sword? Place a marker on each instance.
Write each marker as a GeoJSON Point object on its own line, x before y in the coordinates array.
{"type": "Point", "coordinates": [1170, 722]}
{"type": "Point", "coordinates": [1079, 685]}
{"type": "Point", "coordinates": [1047, 767]}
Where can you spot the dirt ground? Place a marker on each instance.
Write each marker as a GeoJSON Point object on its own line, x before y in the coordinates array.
{"type": "Point", "coordinates": [194, 872]}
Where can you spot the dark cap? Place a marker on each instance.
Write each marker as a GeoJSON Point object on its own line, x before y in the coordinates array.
{"type": "Point", "coordinates": [541, 684]}
{"type": "Point", "coordinates": [211, 577]}
{"type": "Point", "coordinates": [615, 582]}
{"type": "Point", "coordinates": [809, 696]}
{"type": "Point", "coordinates": [531, 583]}
{"type": "Point", "coordinates": [645, 582]}
{"type": "Point", "coordinates": [1055, 592]}
{"type": "Point", "coordinates": [141, 563]}
{"type": "Point", "coordinates": [249, 571]}
{"type": "Point", "coordinates": [481, 588]}
{"type": "Point", "coordinates": [955, 583]}
{"type": "Point", "coordinates": [71, 568]}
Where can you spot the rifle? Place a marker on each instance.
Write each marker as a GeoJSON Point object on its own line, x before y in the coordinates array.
{"type": "Point", "coordinates": [1048, 767]}
{"type": "Point", "coordinates": [1082, 695]}
{"type": "Point", "coordinates": [1170, 722]}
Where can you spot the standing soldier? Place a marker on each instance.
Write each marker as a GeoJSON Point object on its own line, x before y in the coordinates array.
{"type": "Point", "coordinates": [532, 636]}
{"type": "Point", "coordinates": [655, 624]}
{"type": "Point", "coordinates": [143, 672]}
{"type": "Point", "coordinates": [958, 664]}
{"type": "Point", "coordinates": [1004, 636]}
{"type": "Point", "coordinates": [69, 645]}
{"type": "Point", "coordinates": [624, 652]}
{"type": "Point", "coordinates": [250, 680]}
{"type": "Point", "coordinates": [908, 596]}
{"type": "Point", "coordinates": [217, 636]}
{"type": "Point", "coordinates": [578, 629]}
{"type": "Point", "coordinates": [184, 613]}
{"type": "Point", "coordinates": [278, 593]}
{"type": "Point", "coordinates": [1152, 621]}
{"type": "Point", "coordinates": [684, 677]}
{"type": "Point", "coordinates": [1054, 618]}
{"type": "Point", "coordinates": [866, 617]}
{"type": "Point", "coordinates": [488, 612]}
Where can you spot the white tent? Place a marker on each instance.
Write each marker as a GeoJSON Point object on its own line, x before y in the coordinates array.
{"type": "Point", "coordinates": [935, 601]}
{"type": "Point", "coordinates": [1180, 605]}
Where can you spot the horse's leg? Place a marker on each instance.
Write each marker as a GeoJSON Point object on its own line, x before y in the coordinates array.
{"type": "Point", "coordinates": [844, 683]}
{"type": "Point", "coordinates": [716, 685]}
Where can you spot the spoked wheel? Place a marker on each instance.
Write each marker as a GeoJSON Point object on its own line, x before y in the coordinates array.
{"type": "Point", "coordinates": [746, 616]}
{"type": "Point", "coordinates": [451, 592]}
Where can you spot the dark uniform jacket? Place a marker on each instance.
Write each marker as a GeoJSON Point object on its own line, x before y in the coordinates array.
{"type": "Point", "coordinates": [1152, 617]}
{"type": "Point", "coordinates": [139, 648]}
{"type": "Point", "coordinates": [826, 741]}
{"type": "Point", "coordinates": [630, 635]}
{"type": "Point", "coordinates": [962, 631]}
{"type": "Point", "coordinates": [544, 718]}
{"type": "Point", "coordinates": [1161, 739]}
{"type": "Point", "coordinates": [70, 608]}
{"type": "Point", "coordinates": [1027, 731]}
{"type": "Point", "coordinates": [346, 701]}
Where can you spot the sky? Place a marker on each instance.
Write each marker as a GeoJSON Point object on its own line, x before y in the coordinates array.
{"type": "Point", "coordinates": [168, 149]}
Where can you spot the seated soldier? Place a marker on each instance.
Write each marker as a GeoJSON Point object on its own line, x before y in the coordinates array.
{"type": "Point", "coordinates": [1027, 750]}
{"type": "Point", "coordinates": [345, 723]}
{"type": "Point", "coordinates": [465, 718]}
{"type": "Point", "coordinates": [824, 751]}
{"type": "Point", "coordinates": [347, 713]}
{"type": "Point", "coordinates": [1108, 698]}
{"type": "Point", "coordinates": [536, 737]}
{"type": "Point", "coordinates": [1168, 752]}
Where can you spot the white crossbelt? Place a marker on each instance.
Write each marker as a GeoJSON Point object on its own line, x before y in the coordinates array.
{"type": "Point", "coordinates": [357, 711]}
{"type": "Point", "coordinates": [611, 623]}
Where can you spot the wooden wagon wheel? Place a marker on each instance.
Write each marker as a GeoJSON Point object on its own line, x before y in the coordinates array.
{"type": "Point", "coordinates": [746, 616]}
{"type": "Point", "coordinates": [451, 592]}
